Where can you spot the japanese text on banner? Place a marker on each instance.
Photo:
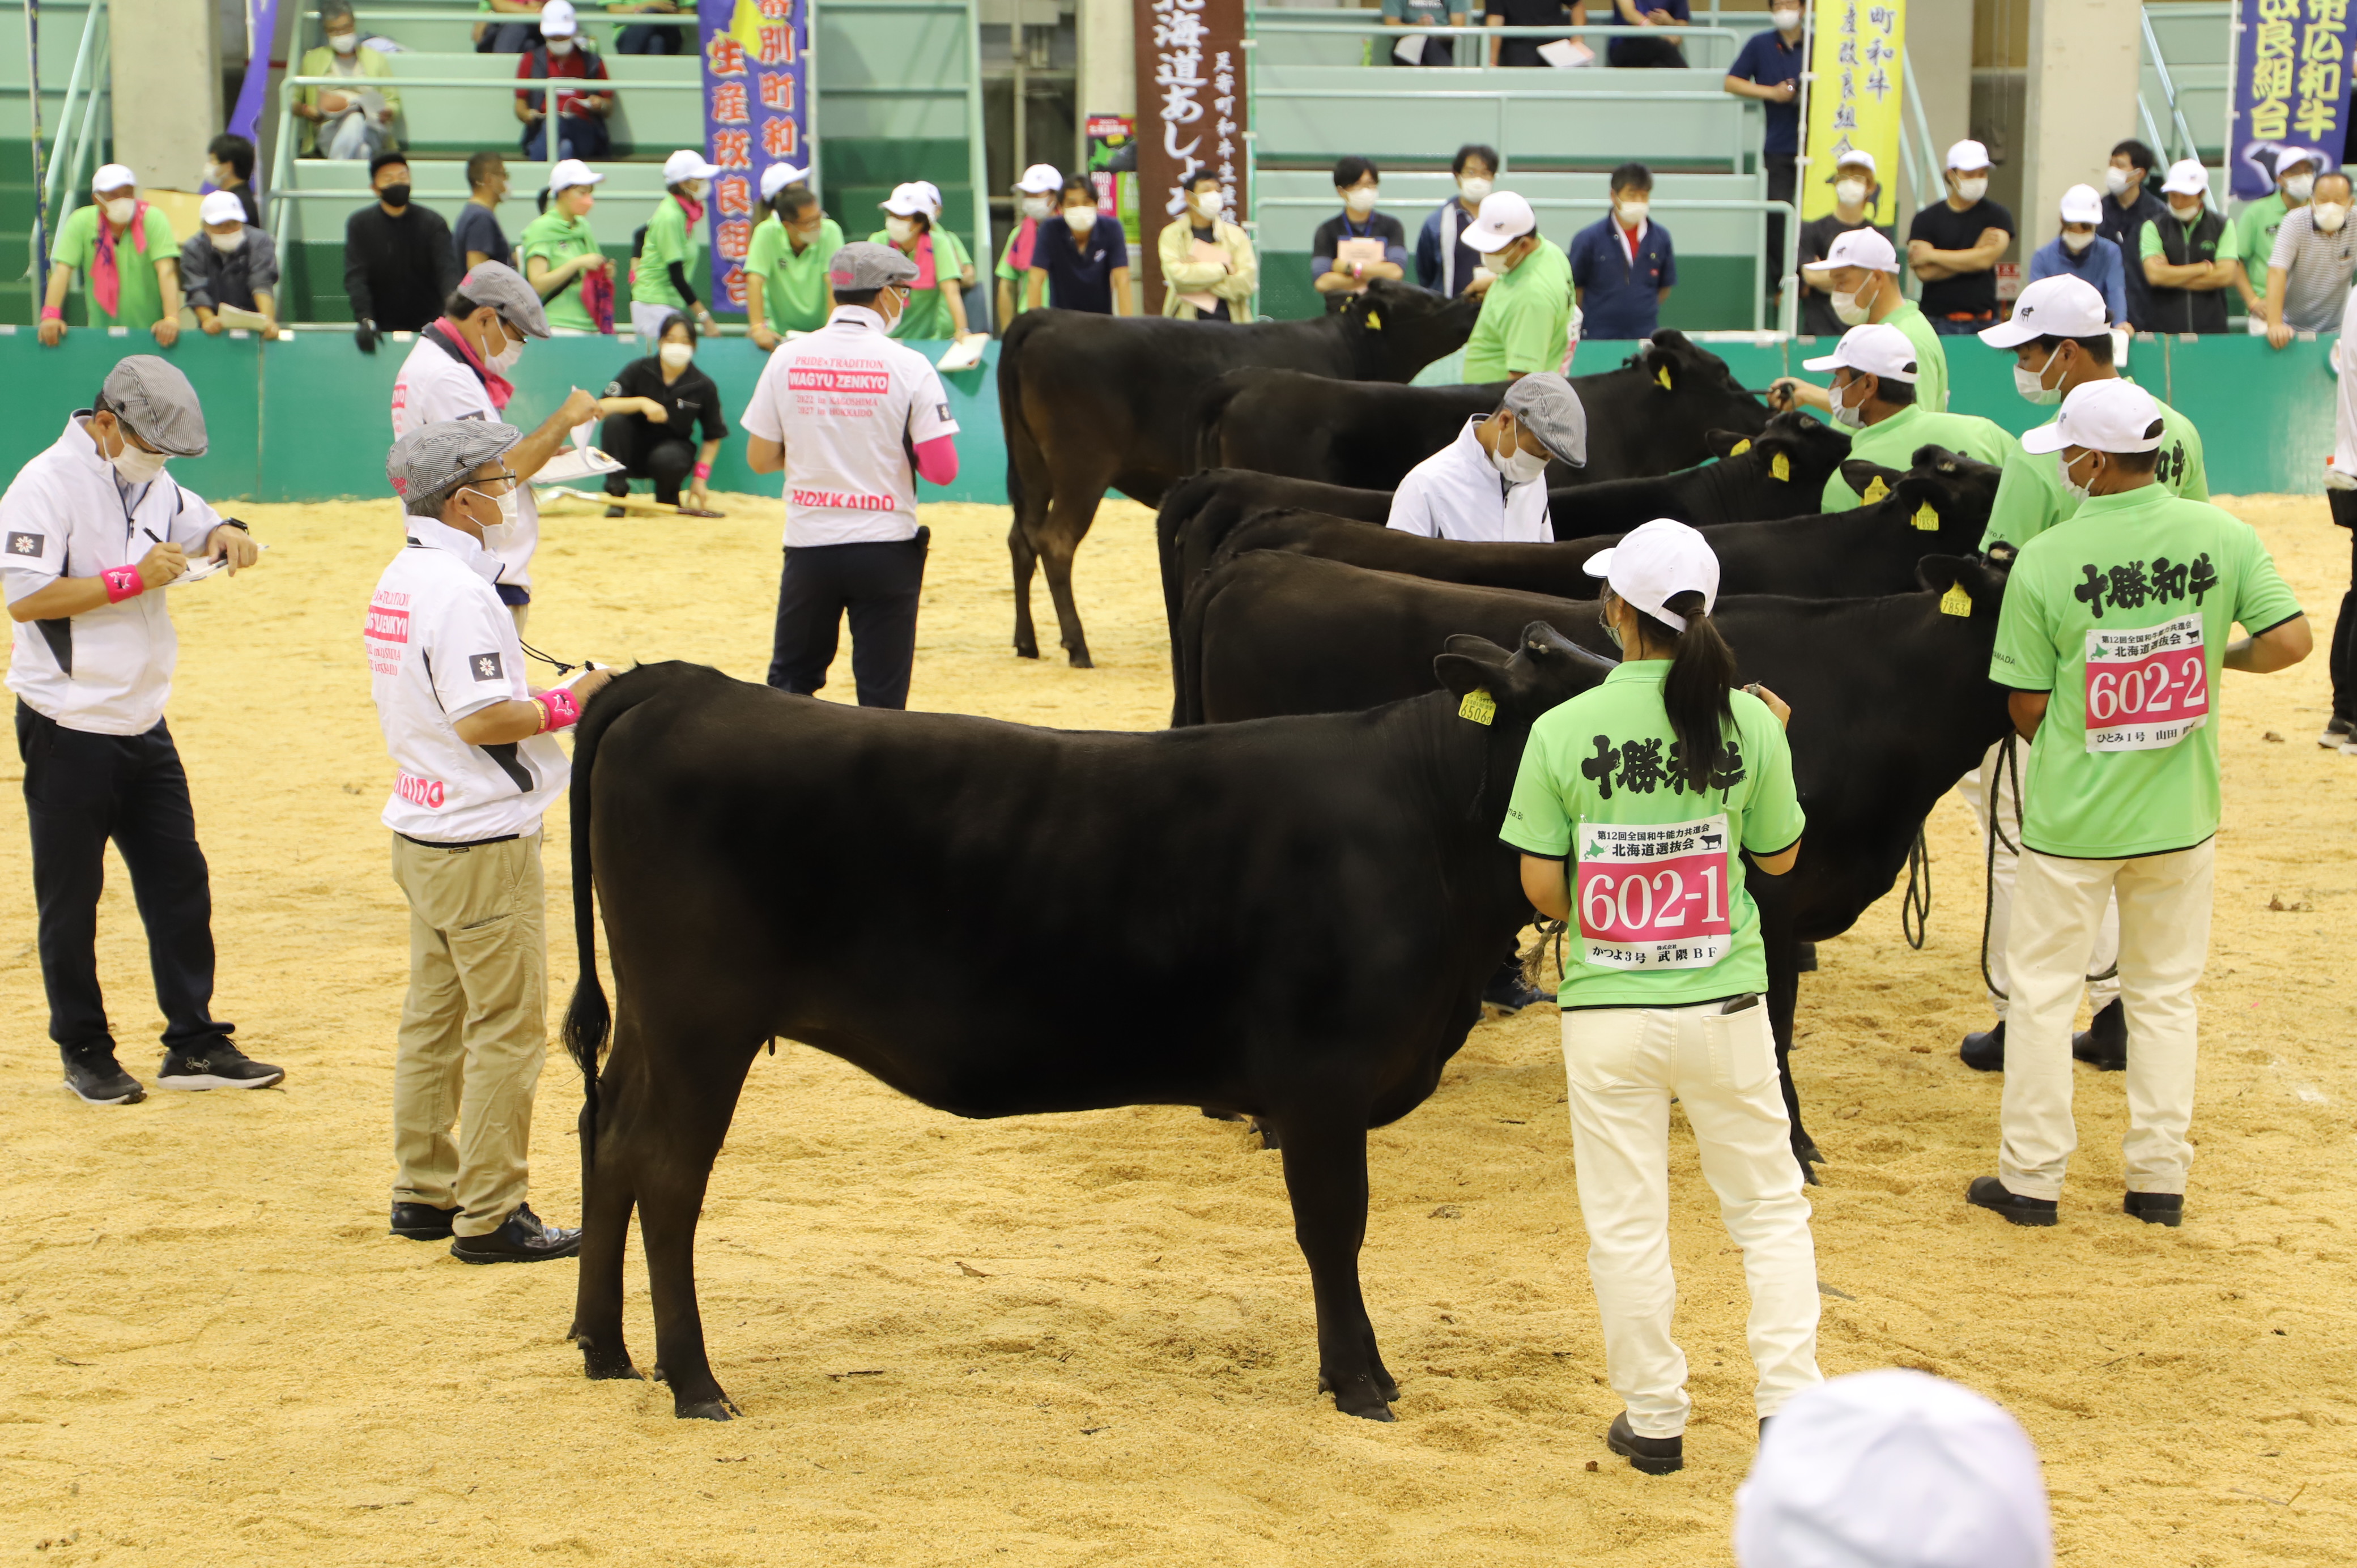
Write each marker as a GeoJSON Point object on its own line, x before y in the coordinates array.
{"type": "Point", "coordinates": [2291, 85]}
{"type": "Point", "coordinates": [1191, 113]}
{"type": "Point", "coordinates": [755, 115]}
{"type": "Point", "coordinates": [1854, 97]}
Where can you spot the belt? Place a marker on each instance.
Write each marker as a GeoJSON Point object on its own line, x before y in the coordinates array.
{"type": "Point", "coordinates": [1970, 315]}
{"type": "Point", "coordinates": [470, 843]}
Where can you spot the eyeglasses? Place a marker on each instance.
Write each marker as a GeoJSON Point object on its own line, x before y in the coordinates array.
{"type": "Point", "coordinates": [505, 479]}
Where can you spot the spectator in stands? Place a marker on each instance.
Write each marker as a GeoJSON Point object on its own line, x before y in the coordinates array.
{"type": "Point", "coordinates": [1526, 321]}
{"type": "Point", "coordinates": [1444, 262]}
{"type": "Point", "coordinates": [2190, 257]}
{"type": "Point", "coordinates": [1666, 51]}
{"type": "Point", "coordinates": [1769, 69]}
{"type": "Point", "coordinates": [479, 236]}
{"type": "Point", "coordinates": [233, 262]}
{"type": "Point", "coordinates": [2307, 276]}
{"type": "Point", "coordinates": [1209, 271]}
{"type": "Point", "coordinates": [1856, 187]}
{"type": "Point", "coordinates": [648, 38]}
{"type": "Point", "coordinates": [230, 166]}
{"type": "Point", "coordinates": [1953, 246]}
{"type": "Point", "coordinates": [1081, 264]}
{"type": "Point", "coordinates": [1623, 264]}
{"type": "Point", "coordinates": [508, 38]}
{"type": "Point", "coordinates": [1035, 204]}
{"type": "Point", "coordinates": [354, 122]}
{"type": "Point", "coordinates": [1358, 245]}
{"type": "Point", "coordinates": [670, 254]}
{"type": "Point", "coordinates": [651, 410]}
{"type": "Point", "coordinates": [785, 268]}
{"type": "Point", "coordinates": [2082, 252]}
{"type": "Point", "coordinates": [1415, 48]}
{"type": "Point", "coordinates": [562, 260]}
{"type": "Point", "coordinates": [563, 54]}
{"type": "Point", "coordinates": [936, 306]}
{"type": "Point", "coordinates": [2129, 208]}
{"type": "Point", "coordinates": [2255, 228]}
{"type": "Point", "coordinates": [399, 266]}
{"type": "Point", "coordinates": [1535, 14]}
{"type": "Point", "coordinates": [129, 256]}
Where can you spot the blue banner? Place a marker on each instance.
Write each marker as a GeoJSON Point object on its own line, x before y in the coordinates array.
{"type": "Point", "coordinates": [2291, 87]}
{"type": "Point", "coordinates": [755, 115]}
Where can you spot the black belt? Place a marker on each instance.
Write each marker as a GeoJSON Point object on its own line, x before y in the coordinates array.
{"type": "Point", "coordinates": [470, 843]}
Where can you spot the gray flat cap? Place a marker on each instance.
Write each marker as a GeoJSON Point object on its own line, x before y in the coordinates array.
{"type": "Point", "coordinates": [156, 403]}
{"type": "Point", "coordinates": [1545, 405]}
{"type": "Point", "coordinates": [504, 290]}
{"type": "Point", "coordinates": [433, 455]}
{"type": "Point", "coordinates": [864, 264]}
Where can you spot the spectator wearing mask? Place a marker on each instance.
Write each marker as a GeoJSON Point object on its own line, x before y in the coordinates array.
{"type": "Point", "coordinates": [352, 123]}
{"type": "Point", "coordinates": [563, 55]}
{"type": "Point", "coordinates": [2126, 209]}
{"type": "Point", "coordinates": [1413, 47]}
{"type": "Point", "coordinates": [1662, 52]}
{"type": "Point", "coordinates": [1359, 244]}
{"type": "Point", "coordinates": [130, 257]}
{"type": "Point", "coordinates": [2316, 252]}
{"type": "Point", "coordinates": [670, 256]}
{"type": "Point", "coordinates": [561, 259]}
{"type": "Point", "coordinates": [1209, 271]}
{"type": "Point", "coordinates": [1954, 246]}
{"type": "Point", "coordinates": [1623, 264]}
{"type": "Point", "coordinates": [936, 307]}
{"type": "Point", "coordinates": [2255, 228]}
{"type": "Point", "coordinates": [1533, 14]}
{"type": "Point", "coordinates": [1875, 370]}
{"type": "Point", "coordinates": [1769, 69]}
{"type": "Point", "coordinates": [1444, 262]}
{"type": "Point", "coordinates": [1081, 263]}
{"type": "Point", "coordinates": [2082, 252]}
{"type": "Point", "coordinates": [785, 266]}
{"type": "Point", "coordinates": [229, 165]}
{"type": "Point", "coordinates": [233, 262]}
{"type": "Point", "coordinates": [1860, 278]}
{"type": "Point", "coordinates": [1856, 187]}
{"type": "Point", "coordinates": [1524, 326]}
{"type": "Point", "coordinates": [399, 265]}
{"type": "Point", "coordinates": [1035, 204]}
{"type": "Point", "coordinates": [2189, 258]}
{"type": "Point", "coordinates": [478, 237]}
{"type": "Point", "coordinates": [648, 38]}
{"type": "Point", "coordinates": [652, 410]}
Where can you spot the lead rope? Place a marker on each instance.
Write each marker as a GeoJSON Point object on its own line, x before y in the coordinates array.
{"type": "Point", "coordinates": [1915, 909]}
{"type": "Point", "coordinates": [562, 668]}
{"type": "Point", "coordinates": [2008, 772]}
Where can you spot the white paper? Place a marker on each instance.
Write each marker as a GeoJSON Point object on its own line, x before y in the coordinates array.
{"type": "Point", "coordinates": [1567, 54]}
{"type": "Point", "coordinates": [237, 316]}
{"type": "Point", "coordinates": [203, 569]}
{"type": "Point", "coordinates": [582, 462]}
{"type": "Point", "coordinates": [1409, 50]}
{"type": "Point", "coordinates": [964, 354]}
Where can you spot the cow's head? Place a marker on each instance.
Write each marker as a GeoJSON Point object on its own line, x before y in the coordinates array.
{"type": "Point", "coordinates": [1810, 449]}
{"type": "Point", "coordinates": [1673, 366]}
{"type": "Point", "coordinates": [1545, 670]}
{"type": "Point", "coordinates": [1396, 328]}
{"type": "Point", "coordinates": [1971, 587]}
{"type": "Point", "coordinates": [1945, 493]}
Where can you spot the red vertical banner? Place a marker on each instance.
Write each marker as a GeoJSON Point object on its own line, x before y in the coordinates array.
{"type": "Point", "coordinates": [1190, 115]}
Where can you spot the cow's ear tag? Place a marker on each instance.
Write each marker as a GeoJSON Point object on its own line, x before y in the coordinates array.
{"type": "Point", "coordinates": [1955, 601]}
{"type": "Point", "coordinates": [1781, 466]}
{"type": "Point", "coordinates": [1478, 705]}
{"type": "Point", "coordinates": [1374, 322]}
{"type": "Point", "coordinates": [1875, 491]}
{"type": "Point", "coordinates": [1740, 447]}
{"type": "Point", "coordinates": [1926, 518]}
{"type": "Point", "coordinates": [1662, 376]}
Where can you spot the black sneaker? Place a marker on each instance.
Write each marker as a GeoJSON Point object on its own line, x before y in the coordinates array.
{"type": "Point", "coordinates": [216, 1064]}
{"type": "Point", "coordinates": [1988, 1192]}
{"type": "Point", "coordinates": [521, 1238]}
{"type": "Point", "coordinates": [100, 1080]}
{"type": "Point", "coordinates": [2157, 1207]}
{"type": "Point", "coordinates": [422, 1222]}
{"type": "Point", "coordinates": [1654, 1455]}
{"type": "Point", "coordinates": [1983, 1050]}
{"type": "Point", "coordinates": [2338, 732]}
{"type": "Point", "coordinates": [2104, 1044]}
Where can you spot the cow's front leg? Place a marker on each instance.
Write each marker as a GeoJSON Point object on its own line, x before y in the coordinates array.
{"type": "Point", "coordinates": [1326, 1176]}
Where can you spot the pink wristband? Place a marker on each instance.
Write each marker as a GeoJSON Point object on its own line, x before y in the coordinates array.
{"type": "Point", "coordinates": [122, 583]}
{"type": "Point", "coordinates": [564, 710]}
{"type": "Point", "coordinates": [53, 313]}
{"type": "Point", "coordinates": [703, 471]}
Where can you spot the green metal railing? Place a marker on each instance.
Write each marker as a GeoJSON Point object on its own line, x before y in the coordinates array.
{"type": "Point", "coordinates": [88, 83]}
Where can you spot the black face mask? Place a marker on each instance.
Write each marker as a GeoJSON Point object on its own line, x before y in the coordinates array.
{"type": "Point", "coordinates": [394, 196]}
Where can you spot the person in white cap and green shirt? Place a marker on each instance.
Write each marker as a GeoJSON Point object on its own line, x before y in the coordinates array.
{"type": "Point", "coordinates": [1525, 322]}
{"type": "Point", "coordinates": [1873, 398]}
{"type": "Point", "coordinates": [2315, 257]}
{"type": "Point", "coordinates": [1035, 204]}
{"type": "Point", "coordinates": [90, 532]}
{"type": "Point", "coordinates": [785, 266]}
{"type": "Point", "coordinates": [662, 279]}
{"type": "Point", "coordinates": [1953, 246]}
{"type": "Point", "coordinates": [937, 301]}
{"type": "Point", "coordinates": [561, 257]}
{"type": "Point", "coordinates": [2256, 226]}
{"type": "Point", "coordinates": [1861, 272]}
{"type": "Point", "coordinates": [2192, 257]}
{"type": "Point", "coordinates": [1636, 809]}
{"type": "Point", "coordinates": [1489, 484]}
{"type": "Point", "coordinates": [2110, 641]}
{"type": "Point", "coordinates": [129, 258]}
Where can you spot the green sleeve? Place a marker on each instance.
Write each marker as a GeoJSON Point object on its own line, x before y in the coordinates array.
{"type": "Point", "coordinates": [77, 237]}
{"type": "Point", "coordinates": [768, 240]}
{"type": "Point", "coordinates": [667, 235]}
{"type": "Point", "coordinates": [2261, 598]}
{"type": "Point", "coordinates": [2230, 244]}
{"type": "Point", "coordinates": [2193, 485]}
{"type": "Point", "coordinates": [1535, 821]}
{"type": "Point", "coordinates": [161, 242]}
{"type": "Point", "coordinates": [2148, 239]}
{"type": "Point", "coordinates": [1772, 819]}
{"type": "Point", "coordinates": [1533, 336]}
{"type": "Point", "coordinates": [2029, 502]}
{"type": "Point", "coordinates": [2023, 658]}
{"type": "Point", "coordinates": [830, 240]}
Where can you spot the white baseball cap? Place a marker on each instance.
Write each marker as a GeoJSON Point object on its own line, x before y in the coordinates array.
{"type": "Point", "coordinates": [908, 201]}
{"type": "Point", "coordinates": [1968, 154]}
{"type": "Point", "coordinates": [2059, 306]}
{"type": "Point", "coordinates": [113, 177]}
{"type": "Point", "coordinates": [2082, 205]}
{"type": "Point", "coordinates": [933, 195]}
{"type": "Point", "coordinates": [1878, 348]}
{"type": "Point", "coordinates": [1854, 158]}
{"type": "Point", "coordinates": [557, 20]}
{"type": "Point", "coordinates": [570, 172]}
{"type": "Point", "coordinates": [2286, 156]}
{"type": "Point", "coordinates": [1895, 1468]}
{"type": "Point", "coordinates": [2109, 415]}
{"type": "Point", "coordinates": [2187, 178]}
{"type": "Point", "coordinates": [1040, 179]}
{"type": "Point", "coordinates": [220, 207]}
{"type": "Point", "coordinates": [1654, 564]}
{"type": "Point", "coordinates": [1857, 248]}
{"type": "Point", "coordinates": [777, 176]}
{"type": "Point", "coordinates": [1503, 219]}
{"type": "Point", "coordinates": [685, 164]}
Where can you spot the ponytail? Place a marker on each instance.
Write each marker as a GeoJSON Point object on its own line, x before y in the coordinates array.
{"type": "Point", "coordinates": [1702, 672]}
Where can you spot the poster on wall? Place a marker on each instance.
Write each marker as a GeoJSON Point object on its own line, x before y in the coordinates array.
{"type": "Point", "coordinates": [754, 116]}
{"type": "Point", "coordinates": [1190, 115]}
{"type": "Point", "coordinates": [1854, 95]}
{"type": "Point", "coordinates": [2291, 85]}
{"type": "Point", "coordinates": [1113, 168]}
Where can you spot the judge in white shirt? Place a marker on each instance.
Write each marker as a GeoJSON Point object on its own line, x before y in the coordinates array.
{"type": "Point", "coordinates": [1489, 485]}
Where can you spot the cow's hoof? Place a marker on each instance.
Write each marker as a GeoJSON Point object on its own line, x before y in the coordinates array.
{"type": "Point", "coordinates": [1081, 661]}
{"type": "Point", "coordinates": [602, 1366]}
{"type": "Point", "coordinates": [1808, 1168]}
{"type": "Point", "coordinates": [1361, 1397]}
{"type": "Point", "coordinates": [705, 1410]}
{"type": "Point", "coordinates": [1806, 1148]}
{"type": "Point", "coordinates": [1026, 651]}
{"type": "Point", "coordinates": [1268, 1134]}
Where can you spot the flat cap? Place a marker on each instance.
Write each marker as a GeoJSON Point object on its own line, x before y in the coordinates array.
{"type": "Point", "coordinates": [433, 455]}
{"type": "Point", "coordinates": [864, 264]}
{"type": "Point", "coordinates": [156, 403]}
{"type": "Point", "coordinates": [502, 288]}
{"type": "Point", "coordinates": [1545, 405]}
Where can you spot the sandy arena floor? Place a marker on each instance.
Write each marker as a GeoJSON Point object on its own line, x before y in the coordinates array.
{"type": "Point", "coordinates": [1088, 1339]}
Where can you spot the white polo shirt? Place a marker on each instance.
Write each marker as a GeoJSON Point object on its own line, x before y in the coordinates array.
{"type": "Point", "coordinates": [435, 385]}
{"type": "Point", "coordinates": [440, 646]}
{"type": "Point", "coordinates": [1457, 493]}
{"type": "Point", "coordinates": [66, 514]}
{"type": "Point", "coordinates": [848, 402]}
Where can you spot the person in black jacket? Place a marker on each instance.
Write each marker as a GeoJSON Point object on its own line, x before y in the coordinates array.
{"type": "Point", "coordinates": [398, 265]}
{"type": "Point", "coordinates": [651, 408]}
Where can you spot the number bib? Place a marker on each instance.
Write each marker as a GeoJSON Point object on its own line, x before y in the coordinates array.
{"type": "Point", "coordinates": [1653, 895]}
{"type": "Point", "coordinates": [2146, 689]}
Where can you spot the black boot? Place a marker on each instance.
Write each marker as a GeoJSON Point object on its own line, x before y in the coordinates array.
{"type": "Point", "coordinates": [2157, 1207]}
{"type": "Point", "coordinates": [1983, 1050]}
{"type": "Point", "coordinates": [2104, 1043]}
{"type": "Point", "coordinates": [1654, 1455]}
{"type": "Point", "coordinates": [1988, 1192]}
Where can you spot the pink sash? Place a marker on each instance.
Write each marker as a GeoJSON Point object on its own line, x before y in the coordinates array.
{"type": "Point", "coordinates": [105, 278]}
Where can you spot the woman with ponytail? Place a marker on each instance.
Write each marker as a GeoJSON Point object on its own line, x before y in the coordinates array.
{"type": "Point", "coordinates": [1637, 808]}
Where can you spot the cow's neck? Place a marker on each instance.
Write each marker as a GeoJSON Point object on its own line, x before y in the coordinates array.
{"type": "Point", "coordinates": [1465, 774]}
{"type": "Point", "coordinates": [1396, 352]}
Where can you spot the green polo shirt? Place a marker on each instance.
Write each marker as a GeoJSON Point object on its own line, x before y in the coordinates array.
{"type": "Point", "coordinates": [141, 299]}
{"type": "Point", "coordinates": [2230, 238]}
{"type": "Point", "coordinates": [1931, 355]}
{"type": "Point", "coordinates": [2030, 498]}
{"type": "Point", "coordinates": [2127, 583]}
{"type": "Point", "coordinates": [2254, 236]}
{"type": "Point", "coordinates": [793, 286]}
{"type": "Point", "coordinates": [1525, 320]}
{"type": "Point", "coordinates": [667, 241]}
{"type": "Point", "coordinates": [1650, 927]}
{"type": "Point", "coordinates": [1892, 444]}
{"type": "Point", "coordinates": [927, 318]}
{"type": "Point", "coordinates": [556, 239]}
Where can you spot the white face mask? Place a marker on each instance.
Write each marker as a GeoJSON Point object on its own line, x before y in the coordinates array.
{"type": "Point", "coordinates": [1973, 189]}
{"type": "Point", "coordinates": [1786, 21]}
{"type": "Point", "coordinates": [698, 189]}
{"type": "Point", "coordinates": [899, 230]}
{"type": "Point", "coordinates": [1848, 311]}
{"type": "Point", "coordinates": [1847, 415]}
{"type": "Point", "coordinates": [1360, 199]}
{"type": "Point", "coordinates": [495, 534]}
{"type": "Point", "coordinates": [1850, 192]}
{"type": "Point", "coordinates": [1632, 212]}
{"type": "Point", "coordinates": [120, 210]}
{"type": "Point", "coordinates": [1473, 187]}
{"type": "Point", "coordinates": [2298, 187]}
{"type": "Point", "coordinates": [2076, 492]}
{"type": "Point", "coordinates": [136, 467]}
{"type": "Point", "coordinates": [1205, 203]}
{"type": "Point", "coordinates": [2074, 243]}
{"type": "Point", "coordinates": [560, 47]}
{"type": "Point", "coordinates": [1517, 466]}
{"type": "Point", "coordinates": [1080, 219]}
{"type": "Point", "coordinates": [2330, 216]}
{"type": "Point", "coordinates": [2186, 214]}
{"type": "Point", "coordinates": [2032, 385]}
{"type": "Point", "coordinates": [215, 174]}
{"type": "Point", "coordinates": [504, 361]}
{"type": "Point", "coordinates": [344, 43]}
{"type": "Point", "coordinates": [228, 243]}
{"type": "Point", "coordinates": [676, 355]}
{"type": "Point", "coordinates": [1037, 207]}
{"type": "Point", "coordinates": [2115, 180]}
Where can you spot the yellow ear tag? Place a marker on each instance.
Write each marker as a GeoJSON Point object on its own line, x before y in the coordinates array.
{"type": "Point", "coordinates": [1781, 466]}
{"type": "Point", "coordinates": [1374, 322]}
{"type": "Point", "coordinates": [1956, 602]}
{"type": "Point", "coordinates": [1875, 491]}
{"type": "Point", "coordinates": [1740, 447]}
{"type": "Point", "coordinates": [1478, 705]}
{"type": "Point", "coordinates": [1662, 376]}
{"type": "Point", "coordinates": [1926, 518]}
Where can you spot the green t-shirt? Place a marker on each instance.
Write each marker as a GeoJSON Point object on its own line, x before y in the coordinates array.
{"type": "Point", "coordinates": [2255, 237]}
{"type": "Point", "coordinates": [1661, 920]}
{"type": "Point", "coordinates": [1931, 355]}
{"type": "Point", "coordinates": [666, 241]}
{"type": "Point", "coordinates": [1892, 444]}
{"type": "Point", "coordinates": [558, 239]}
{"type": "Point", "coordinates": [2130, 582]}
{"type": "Point", "coordinates": [1525, 320]}
{"type": "Point", "coordinates": [2230, 238]}
{"type": "Point", "coordinates": [927, 320]}
{"type": "Point", "coordinates": [1008, 271]}
{"type": "Point", "coordinates": [2030, 498]}
{"type": "Point", "coordinates": [794, 294]}
{"type": "Point", "coordinates": [141, 299]}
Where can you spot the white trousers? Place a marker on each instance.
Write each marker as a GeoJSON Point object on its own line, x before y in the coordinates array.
{"type": "Point", "coordinates": [647, 320]}
{"type": "Point", "coordinates": [1623, 1064]}
{"type": "Point", "coordinates": [1992, 780]}
{"type": "Point", "coordinates": [2164, 913]}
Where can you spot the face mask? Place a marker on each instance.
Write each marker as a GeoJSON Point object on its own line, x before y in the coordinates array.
{"type": "Point", "coordinates": [1506, 262]}
{"type": "Point", "coordinates": [504, 361]}
{"type": "Point", "coordinates": [899, 230]}
{"type": "Point", "coordinates": [2076, 492]}
{"type": "Point", "coordinates": [120, 210]}
{"type": "Point", "coordinates": [2185, 214]}
{"type": "Point", "coordinates": [2074, 243]}
{"type": "Point", "coordinates": [698, 189]}
{"type": "Point", "coordinates": [344, 43]}
{"type": "Point", "coordinates": [1080, 219]}
{"type": "Point", "coordinates": [1360, 199]}
{"type": "Point", "coordinates": [1786, 21]}
{"type": "Point", "coordinates": [1850, 192]}
{"type": "Point", "coordinates": [394, 196]}
{"type": "Point", "coordinates": [1847, 416]}
{"type": "Point", "coordinates": [2298, 187]}
{"type": "Point", "coordinates": [1518, 466]}
{"type": "Point", "coordinates": [675, 356]}
{"type": "Point", "coordinates": [226, 245]}
{"type": "Point", "coordinates": [1848, 311]}
{"type": "Point", "coordinates": [560, 47]}
{"type": "Point", "coordinates": [2032, 385]}
{"type": "Point", "coordinates": [1612, 630]}
{"type": "Point", "coordinates": [1206, 203]}
{"type": "Point", "coordinates": [137, 467]}
{"type": "Point", "coordinates": [2115, 180]}
{"type": "Point", "coordinates": [495, 534]}
{"type": "Point", "coordinates": [1036, 206]}
{"type": "Point", "coordinates": [2330, 215]}
{"type": "Point", "coordinates": [1973, 189]}
{"type": "Point", "coordinates": [216, 176]}
{"type": "Point", "coordinates": [1473, 187]}
{"type": "Point", "coordinates": [1631, 212]}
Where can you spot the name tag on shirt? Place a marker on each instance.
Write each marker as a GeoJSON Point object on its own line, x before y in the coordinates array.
{"type": "Point", "coordinates": [2148, 689]}
{"type": "Point", "coordinates": [1653, 895]}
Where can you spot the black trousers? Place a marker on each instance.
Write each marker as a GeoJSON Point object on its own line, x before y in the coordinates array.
{"type": "Point", "coordinates": [2343, 655]}
{"type": "Point", "coordinates": [645, 453]}
{"type": "Point", "coordinates": [81, 790]}
{"type": "Point", "coordinates": [878, 585]}
{"type": "Point", "coordinates": [1783, 181]}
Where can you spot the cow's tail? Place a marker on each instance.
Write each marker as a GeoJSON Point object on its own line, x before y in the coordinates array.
{"type": "Point", "coordinates": [1010, 399]}
{"type": "Point", "coordinates": [1210, 407]}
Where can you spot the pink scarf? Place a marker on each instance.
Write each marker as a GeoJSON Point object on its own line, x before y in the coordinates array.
{"type": "Point", "coordinates": [105, 279]}
{"type": "Point", "coordinates": [497, 387]}
{"type": "Point", "coordinates": [689, 205]}
{"type": "Point", "coordinates": [1018, 255]}
{"type": "Point", "coordinates": [598, 299]}
{"type": "Point", "coordinates": [924, 257]}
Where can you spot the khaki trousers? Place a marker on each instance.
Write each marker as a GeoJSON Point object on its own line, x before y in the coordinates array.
{"type": "Point", "coordinates": [2164, 904]}
{"type": "Point", "coordinates": [1623, 1064]}
{"type": "Point", "coordinates": [474, 1026]}
{"type": "Point", "coordinates": [1990, 786]}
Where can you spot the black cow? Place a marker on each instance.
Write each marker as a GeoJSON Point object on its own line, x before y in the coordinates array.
{"type": "Point", "coordinates": [1313, 905]}
{"type": "Point", "coordinates": [1093, 401]}
{"type": "Point", "coordinates": [1779, 472]}
{"type": "Point", "coordinates": [1891, 704]}
{"type": "Point", "coordinates": [1647, 417]}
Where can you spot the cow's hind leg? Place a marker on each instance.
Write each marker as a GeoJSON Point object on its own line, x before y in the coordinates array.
{"type": "Point", "coordinates": [1325, 1174]}
{"type": "Point", "coordinates": [1783, 1005]}
{"type": "Point", "coordinates": [687, 1118]}
{"type": "Point", "coordinates": [608, 1194]}
{"type": "Point", "coordinates": [1019, 548]}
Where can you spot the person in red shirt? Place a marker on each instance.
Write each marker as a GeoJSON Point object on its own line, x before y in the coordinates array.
{"type": "Point", "coordinates": [580, 117]}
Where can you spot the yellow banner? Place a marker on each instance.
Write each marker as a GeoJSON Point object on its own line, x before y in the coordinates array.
{"type": "Point", "coordinates": [1853, 94]}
